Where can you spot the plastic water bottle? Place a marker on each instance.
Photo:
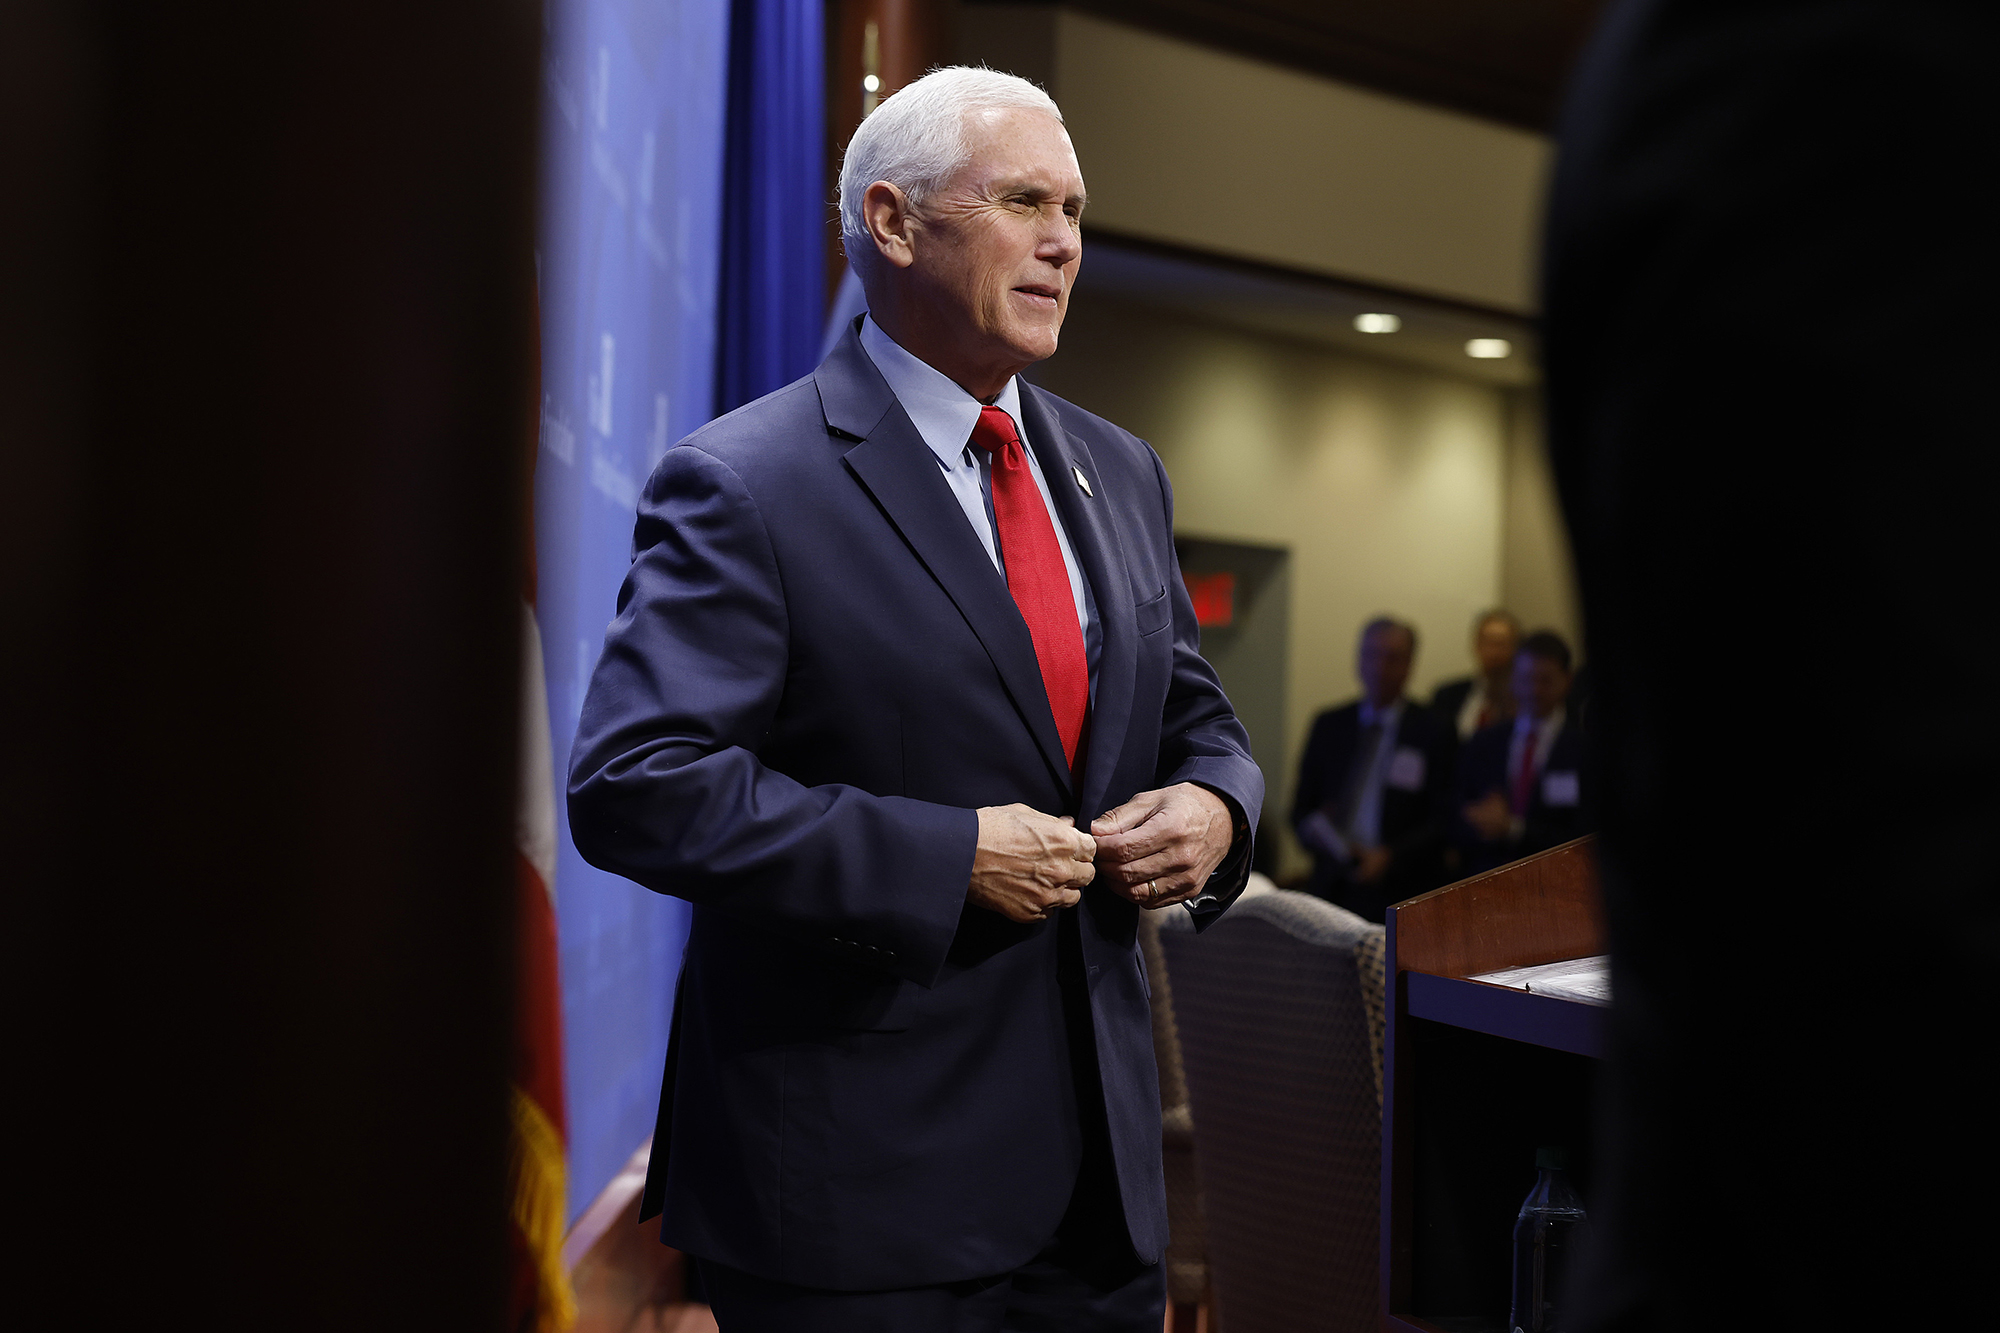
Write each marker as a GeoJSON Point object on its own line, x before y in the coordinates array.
{"type": "Point", "coordinates": [1545, 1237]}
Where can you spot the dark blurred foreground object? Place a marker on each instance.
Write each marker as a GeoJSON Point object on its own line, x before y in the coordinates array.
{"type": "Point", "coordinates": [265, 368]}
{"type": "Point", "coordinates": [1771, 338]}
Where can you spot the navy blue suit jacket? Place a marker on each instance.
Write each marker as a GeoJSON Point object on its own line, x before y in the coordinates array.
{"type": "Point", "coordinates": [1448, 700]}
{"type": "Point", "coordinates": [814, 678]}
{"type": "Point", "coordinates": [1482, 769]}
{"type": "Point", "coordinates": [1414, 815]}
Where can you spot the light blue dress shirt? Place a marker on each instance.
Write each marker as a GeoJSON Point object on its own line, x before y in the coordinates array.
{"type": "Point", "coordinates": [944, 414]}
{"type": "Point", "coordinates": [1368, 801]}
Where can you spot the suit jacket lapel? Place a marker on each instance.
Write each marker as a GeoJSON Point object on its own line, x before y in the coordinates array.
{"type": "Point", "coordinates": [1094, 538]}
{"type": "Point", "coordinates": [896, 467]}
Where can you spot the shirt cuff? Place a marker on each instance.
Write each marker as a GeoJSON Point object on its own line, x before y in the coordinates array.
{"type": "Point", "coordinates": [1240, 829]}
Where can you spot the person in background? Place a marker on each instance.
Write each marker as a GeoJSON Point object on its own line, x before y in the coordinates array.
{"type": "Point", "coordinates": [1520, 783]}
{"type": "Point", "coordinates": [1374, 783]}
{"type": "Point", "coordinates": [1471, 702]}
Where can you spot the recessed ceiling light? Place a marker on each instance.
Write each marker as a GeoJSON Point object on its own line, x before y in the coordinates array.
{"type": "Point", "coordinates": [1377, 323]}
{"type": "Point", "coordinates": [1489, 349]}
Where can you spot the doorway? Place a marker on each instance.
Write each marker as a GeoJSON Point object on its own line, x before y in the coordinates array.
{"type": "Point", "coordinates": [1243, 599]}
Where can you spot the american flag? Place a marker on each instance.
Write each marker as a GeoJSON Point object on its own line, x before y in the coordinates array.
{"type": "Point", "coordinates": [540, 1299]}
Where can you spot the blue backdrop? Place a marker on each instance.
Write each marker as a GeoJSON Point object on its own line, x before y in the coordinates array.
{"type": "Point", "coordinates": [630, 230]}
{"type": "Point", "coordinates": [638, 99]}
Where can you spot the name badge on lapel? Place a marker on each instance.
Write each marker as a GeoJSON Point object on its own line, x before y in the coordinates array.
{"type": "Point", "coordinates": [1406, 769]}
{"type": "Point", "coordinates": [1560, 788]}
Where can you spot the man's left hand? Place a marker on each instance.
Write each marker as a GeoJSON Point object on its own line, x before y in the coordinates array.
{"type": "Point", "coordinates": [1160, 847]}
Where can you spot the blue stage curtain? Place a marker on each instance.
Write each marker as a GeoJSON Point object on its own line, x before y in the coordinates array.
{"type": "Point", "coordinates": [775, 210]}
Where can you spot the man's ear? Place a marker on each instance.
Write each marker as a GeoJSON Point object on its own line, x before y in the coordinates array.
{"type": "Point", "coordinates": [891, 223]}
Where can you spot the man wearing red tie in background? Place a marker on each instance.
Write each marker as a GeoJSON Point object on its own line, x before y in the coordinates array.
{"type": "Point", "coordinates": [1521, 783]}
{"type": "Point", "coordinates": [892, 637]}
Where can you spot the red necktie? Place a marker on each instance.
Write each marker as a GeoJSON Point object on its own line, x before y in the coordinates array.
{"type": "Point", "coordinates": [1037, 576]}
{"type": "Point", "coordinates": [1524, 781]}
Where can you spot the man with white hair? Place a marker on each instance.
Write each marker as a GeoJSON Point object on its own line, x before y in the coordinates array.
{"type": "Point", "coordinates": [891, 638]}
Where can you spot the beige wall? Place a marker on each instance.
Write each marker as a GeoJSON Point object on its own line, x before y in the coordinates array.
{"type": "Point", "coordinates": [1223, 153]}
{"type": "Point", "coordinates": [1389, 484]}
{"type": "Point", "coordinates": [1537, 581]}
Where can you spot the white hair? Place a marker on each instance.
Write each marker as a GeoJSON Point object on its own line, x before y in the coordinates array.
{"type": "Point", "coordinates": [916, 139]}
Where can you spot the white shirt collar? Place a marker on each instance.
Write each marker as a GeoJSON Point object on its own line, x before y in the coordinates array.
{"type": "Point", "coordinates": [943, 413]}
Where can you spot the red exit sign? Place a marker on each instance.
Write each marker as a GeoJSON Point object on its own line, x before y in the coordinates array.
{"type": "Point", "coordinates": [1214, 598]}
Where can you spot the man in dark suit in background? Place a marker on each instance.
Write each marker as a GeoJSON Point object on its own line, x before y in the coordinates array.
{"type": "Point", "coordinates": [1770, 333]}
{"type": "Point", "coordinates": [891, 638]}
{"type": "Point", "coordinates": [1521, 783]}
{"type": "Point", "coordinates": [1372, 786]}
{"type": "Point", "coordinates": [1471, 702]}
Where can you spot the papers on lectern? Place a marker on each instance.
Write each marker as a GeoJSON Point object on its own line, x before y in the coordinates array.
{"type": "Point", "coordinates": [1585, 979]}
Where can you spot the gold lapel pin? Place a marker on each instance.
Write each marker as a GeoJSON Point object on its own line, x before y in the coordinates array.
{"type": "Point", "coordinates": [1083, 481]}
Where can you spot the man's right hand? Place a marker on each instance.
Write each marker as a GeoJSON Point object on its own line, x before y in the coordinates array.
{"type": "Point", "coordinates": [1491, 816]}
{"type": "Point", "coordinates": [1029, 865]}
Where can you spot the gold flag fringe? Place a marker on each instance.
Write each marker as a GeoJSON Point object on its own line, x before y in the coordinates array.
{"type": "Point", "coordinates": [538, 1186]}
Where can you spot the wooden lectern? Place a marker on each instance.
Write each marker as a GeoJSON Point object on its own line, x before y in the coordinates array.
{"type": "Point", "coordinates": [1476, 1078]}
